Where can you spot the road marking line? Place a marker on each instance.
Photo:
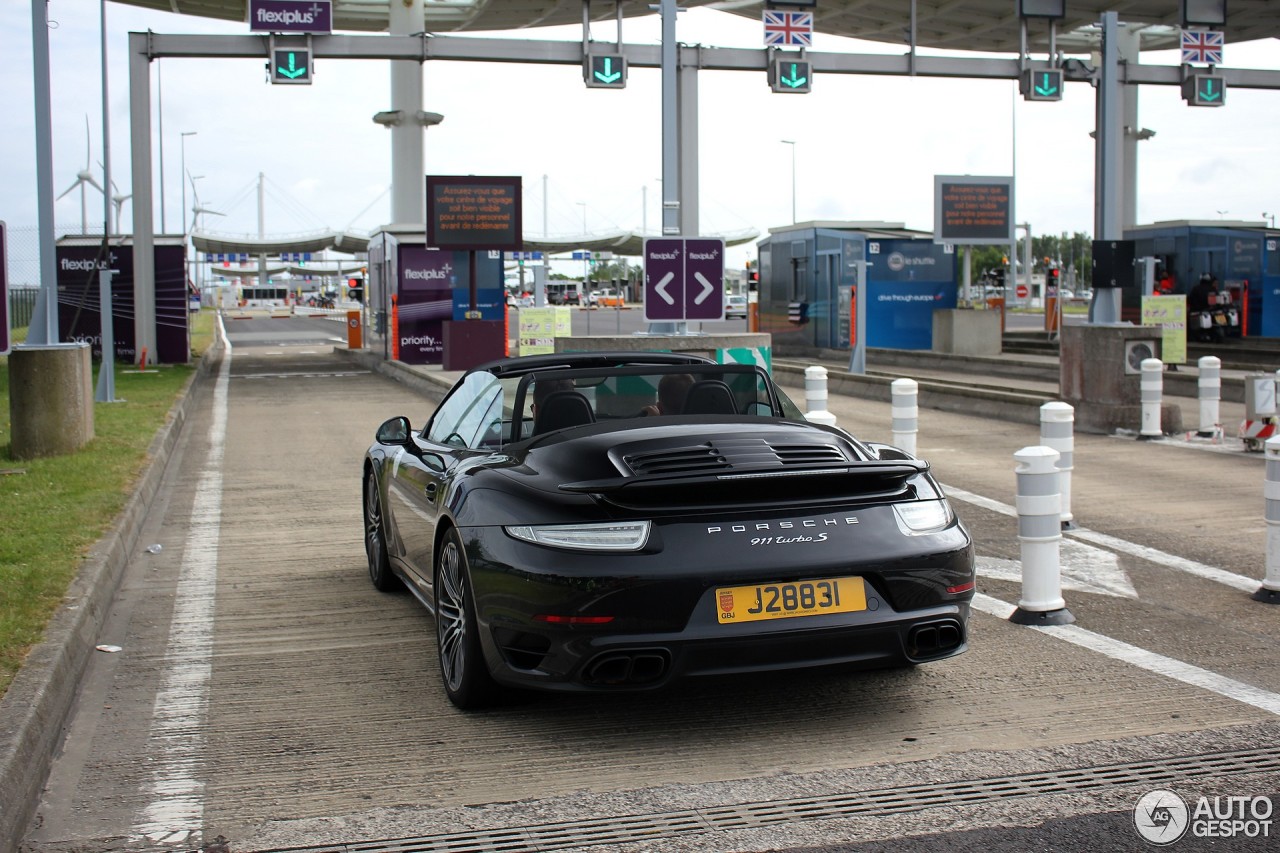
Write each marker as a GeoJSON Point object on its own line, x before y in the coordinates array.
{"type": "Point", "coordinates": [1143, 659]}
{"type": "Point", "coordinates": [175, 791]}
{"type": "Point", "coordinates": [1154, 555]}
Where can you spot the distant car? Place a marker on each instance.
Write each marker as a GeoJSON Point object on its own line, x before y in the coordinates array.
{"type": "Point", "coordinates": [565, 538]}
{"type": "Point", "coordinates": [735, 306]}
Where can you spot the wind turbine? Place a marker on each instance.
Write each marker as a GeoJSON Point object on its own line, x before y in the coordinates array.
{"type": "Point", "coordinates": [84, 176]}
{"type": "Point", "coordinates": [118, 200]}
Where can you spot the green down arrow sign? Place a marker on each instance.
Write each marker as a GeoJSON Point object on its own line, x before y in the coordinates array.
{"type": "Point", "coordinates": [291, 66]}
{"type": "Point", "coordinates": [607, 74]}
{"type": "Point", "coordinates": [797, 78]}
{"type": "Point", "coordinates": [1208, 92]}
{"type": "Point", "coordinates": [1048, 85]}
{"type": "Point", "coordinates": [792, 76]}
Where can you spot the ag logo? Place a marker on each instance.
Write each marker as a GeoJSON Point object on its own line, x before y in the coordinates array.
{"type": "Point", "coordinates": [1161, 816]}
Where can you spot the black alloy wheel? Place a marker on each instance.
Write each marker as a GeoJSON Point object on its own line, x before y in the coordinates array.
{"type": "Point", "coordinates": [375, 541]}
{"type": "Point", "coordinates": [467, 681]}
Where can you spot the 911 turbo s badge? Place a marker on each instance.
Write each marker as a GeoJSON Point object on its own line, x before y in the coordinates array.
{"type": "Point", "coordinates": [759, 526]}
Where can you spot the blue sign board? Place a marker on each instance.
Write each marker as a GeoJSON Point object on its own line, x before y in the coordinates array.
{"type": "Point", "coordinates": [290, 16]}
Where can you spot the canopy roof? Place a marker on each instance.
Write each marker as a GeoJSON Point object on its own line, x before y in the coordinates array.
{"type": "Point", "coordinates": [979, 25]}
{"type": "Point", "coordinates": [625, 243]}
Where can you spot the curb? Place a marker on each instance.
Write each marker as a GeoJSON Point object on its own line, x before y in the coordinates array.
{"type": "Point", "coordinates": [35, 709]}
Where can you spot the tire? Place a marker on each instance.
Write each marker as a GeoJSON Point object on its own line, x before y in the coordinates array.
{"type": "Point", "coordinates": [466, 678]}
{"type": "Point", "coordinates": [375, 538]}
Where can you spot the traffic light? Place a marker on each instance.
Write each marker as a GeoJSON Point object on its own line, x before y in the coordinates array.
{"type": "Point", "coordinates": [792, 76]}
{"type": "Point", "coordinates": [1204, 90]}
{"type": "Point", "coordinates": [1052, 280]}
{"type": "Point", "coordinates": [605, 71]}
{"type": "Point", "coordinates": [1041, 84]}
{"type": "Point", "coordinates": [290, 65]}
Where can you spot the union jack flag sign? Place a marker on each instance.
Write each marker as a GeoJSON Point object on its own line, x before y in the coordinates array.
{"type": "Point", "coordinates": [1202, 46]}
{"type": "Point", "coordinates": [788, 29]}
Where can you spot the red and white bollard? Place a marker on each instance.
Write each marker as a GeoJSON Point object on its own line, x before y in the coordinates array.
{"type": "Point", "coordinates": [815, 397]}
{"type": "Point", "coordinates": [1209, 391]}
{"type": "Point", "coordinates": [905, 411]}
{"type": "Point", "coordinates": [1152, 387]}
{"type": "Point", "coordinates": [1057, 431]}
{"type": "Point", "coordinates": [1270, 589]}
{"type": "Point", "coordinates": [1040, 534]}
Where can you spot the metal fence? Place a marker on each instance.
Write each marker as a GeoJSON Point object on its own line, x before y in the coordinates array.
{"type": "Point", "coordinates": [23, 268]}
{"type": "Point", "coordinates": [22, 302]}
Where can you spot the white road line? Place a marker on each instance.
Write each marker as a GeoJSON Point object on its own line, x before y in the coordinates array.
{"type": "Point", "coordinates": [175, 792]}
{"type": "Point", "coordinates": [1154, 555]}
{"type": "Point", "coordinates": [1143, 659]}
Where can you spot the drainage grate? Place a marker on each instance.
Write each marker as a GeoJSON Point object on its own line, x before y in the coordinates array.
{"type": "Point", "coordinates": [629, 829]}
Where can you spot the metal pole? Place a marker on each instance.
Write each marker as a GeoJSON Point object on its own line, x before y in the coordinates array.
{"type": "Point", "coordinates": [44, 322]}
{"type": "Point", "coordinates": [144, 266]}
{"type": "Point", "coordinates": [793, 177]}
{"type": "Point", "coordinates": [164, 220]}
{"type": "Point", "coordinates": [106, 388]}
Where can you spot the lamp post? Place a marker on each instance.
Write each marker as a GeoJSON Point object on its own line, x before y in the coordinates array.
{"type": "Point", "coordinates": [586, 263]}
{"type": "Point", "coordinates": [792, 143]}
{"type": "Point", "coordinates": [194, 222]}
{"type": "Point", "coordinates": [184, 136]}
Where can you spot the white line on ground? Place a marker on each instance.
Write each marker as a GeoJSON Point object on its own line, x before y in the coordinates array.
{"type": "Point", "coordinates": [1154, 555]}
{"type": "Point", "coordinates": [175, 792]}
{"type": "Point", "coordinates": [1150, 661]}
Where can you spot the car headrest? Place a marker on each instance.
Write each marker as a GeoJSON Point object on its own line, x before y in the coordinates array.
{"type": "Point", "coordinates": [562, 409]}
{"type": "Point", "coordinates": [709, 397]}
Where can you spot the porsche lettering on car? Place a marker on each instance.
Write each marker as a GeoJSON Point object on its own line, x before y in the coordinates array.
{"type": "Point", "coordinates": [618, 521]}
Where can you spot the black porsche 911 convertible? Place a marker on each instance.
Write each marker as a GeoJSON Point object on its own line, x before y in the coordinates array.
{"type": "Point", "coordinates": [615, 521]}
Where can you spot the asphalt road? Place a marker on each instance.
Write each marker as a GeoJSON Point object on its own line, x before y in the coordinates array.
{"type": "Point", "coordinates": [265, 692]}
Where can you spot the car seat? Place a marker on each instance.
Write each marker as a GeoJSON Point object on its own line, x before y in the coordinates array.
{"type": "Point", "coordinates": [562, 409]}
{"type": "Point", "coordinates": [709, 397]}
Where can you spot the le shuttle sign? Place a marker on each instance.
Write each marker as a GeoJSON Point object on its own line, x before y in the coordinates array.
{"type": "Point", "coordinates": [683, 279]}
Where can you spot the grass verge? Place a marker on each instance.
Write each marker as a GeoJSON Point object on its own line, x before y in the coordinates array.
{"type": "Point", "coordinates": [56, 508]}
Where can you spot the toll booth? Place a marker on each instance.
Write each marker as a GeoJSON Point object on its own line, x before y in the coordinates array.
{"type": "Point", "coordinates": [1232, 251]}
{"type": "Point", "coordinates": [1270, 290]}
{"type": "Point", "coordinates": [413, 291]}
{"type": "Point", "coordinates": [78, 260]}
{"type": "Point", "coordinates": [809, 285]}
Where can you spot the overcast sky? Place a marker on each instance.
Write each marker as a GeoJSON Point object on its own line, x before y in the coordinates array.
{"type": "Point", "coordinates": [867, 148]}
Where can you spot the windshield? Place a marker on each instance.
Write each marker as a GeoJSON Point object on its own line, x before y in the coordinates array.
{"type": "Point", "coordinates": [561, 398]}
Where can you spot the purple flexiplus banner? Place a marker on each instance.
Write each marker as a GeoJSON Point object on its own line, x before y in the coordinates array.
{"type": "Point", "coordinates": [290, 16]}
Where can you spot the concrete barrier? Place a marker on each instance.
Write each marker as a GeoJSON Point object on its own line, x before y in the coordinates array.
{"type": "Point", "coordinates": [50, 400]}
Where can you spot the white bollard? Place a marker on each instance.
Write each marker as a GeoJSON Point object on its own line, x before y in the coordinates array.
{"type": "Point", "coordinates": [1040, 534]}
{"type": "Point", "coordinates": [815, 396]}
{"type": "Point", "coordinates": [1152, 386]}
{"type": "Point", "coordinates": [1057, 432]}
{"type": "Point", "coordinates": [905, 411]}
{"type": "Point", "coordinates": [1270, 589]}
{"type": "Point", "coordinates": [1210, 393]}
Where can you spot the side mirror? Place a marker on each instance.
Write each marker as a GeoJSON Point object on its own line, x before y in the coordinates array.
{"type": "Point", "coordinates": [394, 431]}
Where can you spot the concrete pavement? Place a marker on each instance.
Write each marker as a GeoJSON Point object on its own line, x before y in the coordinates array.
{"type": "Point", "coordinates": [322, 720]}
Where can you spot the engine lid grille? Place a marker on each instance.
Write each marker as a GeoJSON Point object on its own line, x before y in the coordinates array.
{"type": "Point", "coordinates": [728, 454]}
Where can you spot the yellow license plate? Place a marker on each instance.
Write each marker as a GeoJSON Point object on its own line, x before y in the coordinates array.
{"type": "Point", "coordinates": [789, 600]}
